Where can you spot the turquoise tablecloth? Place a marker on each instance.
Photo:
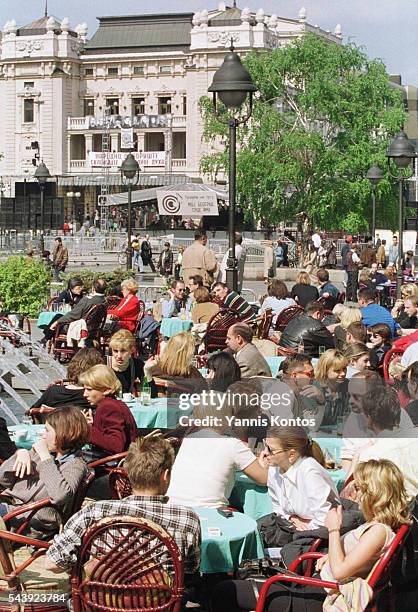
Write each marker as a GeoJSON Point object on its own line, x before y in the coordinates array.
{"type": "Point", "coordinates": [45, 318]}
{"type": "Point", "coordinates": [161, 413]}
{"type": "Point", "coordinates": [173, 326]}
{"type": "Point", "coordinates": [249, 497]}
{"type": "Point", "coordinates": [34, 431]}
{"type": "Point", "coordinates": [239, 540]}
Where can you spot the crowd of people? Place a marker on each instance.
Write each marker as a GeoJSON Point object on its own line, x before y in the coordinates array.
{"type": "Point", "coordinates": [331, 381]}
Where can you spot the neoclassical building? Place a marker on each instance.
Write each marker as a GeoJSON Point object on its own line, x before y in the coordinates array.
{"type": "Point", "coordinates": [78, 102]}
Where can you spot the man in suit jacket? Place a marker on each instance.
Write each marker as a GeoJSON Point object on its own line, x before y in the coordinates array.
{"type": "Point", "coordinates": [248, 357]}
{"type": "Point", "coordinates": [82, 308]}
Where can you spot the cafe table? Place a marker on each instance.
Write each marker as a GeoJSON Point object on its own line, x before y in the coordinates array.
{"type": "Point", "coordinates": [24, 435]}
{"type": "Point", "coordinates": [174, 325]}
{"type": "Point", "coordinates": [237, 539]}
{"type": "Point", "coordinates": [45, 318]}
{"type": "Point", "coordinates": [160, 412]}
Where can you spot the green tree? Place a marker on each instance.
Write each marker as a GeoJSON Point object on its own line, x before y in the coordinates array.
{"type": "Point", "coordinates": [322, 115]}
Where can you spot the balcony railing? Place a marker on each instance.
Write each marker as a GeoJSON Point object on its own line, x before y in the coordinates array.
{"type": "Point", "coordinates": [82, 165]}
{"type": "Point", "coordinates": [83, 124]}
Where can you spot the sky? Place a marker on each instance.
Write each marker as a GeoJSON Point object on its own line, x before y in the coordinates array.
{"type": "Point", "coordinates": [386, 29]}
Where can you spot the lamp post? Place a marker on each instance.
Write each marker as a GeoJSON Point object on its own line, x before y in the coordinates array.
{"type": "Point", "coordinates": [402, 152]}
{"type": "Point", "coordinates": [42, 175]}
{"type": "Point", "coordinates": [232, 83]}
{"type": "Point", "coordinates": [374, 176]}
{"type": "Point", "coordinates": [130, 174]}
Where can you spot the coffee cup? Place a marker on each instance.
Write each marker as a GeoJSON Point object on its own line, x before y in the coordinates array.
{"type": "Point", "coordinates": [127, 397]}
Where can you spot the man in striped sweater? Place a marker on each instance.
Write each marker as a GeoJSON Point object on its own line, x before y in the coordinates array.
{"type": "Point", "coordinates": [231, 299]}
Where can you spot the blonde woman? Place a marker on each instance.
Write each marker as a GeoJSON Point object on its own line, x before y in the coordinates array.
{"type": "Point", "coordinates": [348, 315]}
{"type": "Point", "coordinates": [126, 313]}
{"type": "Point", "coordinates": [175, 360]}
{"type": "Point", "coordinates": [112, 426]}
{"type": "Point", "coordinates": [382, 498]}
{"type": "Point", "coordinates": [358, 357]}
{"type": "Point", "coordinates": [330, 377]}
{"type": "Point", "coordinates": [128, 369]}
{"type": "Point", "coordinates": [303, 292]}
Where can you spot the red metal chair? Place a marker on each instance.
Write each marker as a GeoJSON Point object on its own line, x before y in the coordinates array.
{"type": "Point", "coordinates": [119, 483]}
{"type": "Point", "coordinates": [388, 358]}
{"type": "Point", "coordinates": [287, 315]}
{"type": "Point", "coordinates": [215, 339]}
{"type": "Point", "coordinates": [378, 579]}
{"type": "Point", "coordinates": [127, 563]}
{"type": "Point", "coordinates": [95, 320]}
{"type": "Point", "coordinates": [108, 463]}
{"type": "Point", "coordinates": [262, 324]}
{"type": "Point", "coordinates": [282, 351]}
{"type": "Point", "coordinates": [9, 334]}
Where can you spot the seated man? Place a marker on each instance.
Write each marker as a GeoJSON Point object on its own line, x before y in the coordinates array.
{"type": "Point", "coordinates": [231, 299]}
{"type": "Point", "coordinates": [297, 372]}
{"type": "Point", "coordinates": [326, 289]}
{"type": "Point", "coordinates": [383, 413]}
{"type": "Point", "coordinates": [307, 329]}
{"type": "Point", "coordinates": [81, 309]}
{"type": "Point", "coordinates": [412, 407]}
{"type": "Point", "coordinates": [148, 464]}
{"type": "Point", "coordinates": [372, 313]}
{"type": "Point", "coordinates": [407, 318]}
{"type": "Point", "coordinates": [377, 277]}
{"type": "Point", "coordinates": [248, 357]}
{"type": "Point", "coordinates": [178, 300]}
{"type": "Point", "coordinates": [356, 332]}
{"type": "Point", "coordinates": [195, 282]}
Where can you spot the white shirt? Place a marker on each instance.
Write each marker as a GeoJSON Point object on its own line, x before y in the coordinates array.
{"type": "Point", "coordinates": [410, 355]}
{"type": "Point", "coordinates": [316, 239]}
{"type": "Point", "coordinates": [306, 489]}
{"type": "Point", "coordinates": [276, 305]}
{"type": "Point", "coordinates": [403, 452]}
{"type": "Point", "coordinates": [203, 473]}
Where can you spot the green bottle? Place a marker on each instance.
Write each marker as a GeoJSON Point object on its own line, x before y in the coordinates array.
{"type": "Point", "coordinates": [146, 392]}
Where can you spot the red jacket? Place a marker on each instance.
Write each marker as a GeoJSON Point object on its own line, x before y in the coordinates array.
{"type": "Point", "coordinates": [127, 312]}
{"type": "Point", "coordinates": [114, 427]}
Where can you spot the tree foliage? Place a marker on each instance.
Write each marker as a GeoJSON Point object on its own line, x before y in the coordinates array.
{"type": "Point", "coordinates": [322, 115]}
{"type": "Point", "coordinates": [24, 285]}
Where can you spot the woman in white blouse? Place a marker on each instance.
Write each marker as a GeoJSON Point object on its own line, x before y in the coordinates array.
{"type": "Point", "coordinates": [203, 473]}
{"type": "Point", "coordinates": [278, 299]}
{"type": "Point", "coordinates": [301, 489]}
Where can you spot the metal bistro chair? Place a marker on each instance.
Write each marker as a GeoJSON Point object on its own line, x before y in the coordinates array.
{"type": "Point", "coordinates": [287, 315]}
{"type": "Point", "coordinates": [95, 320]}
{"type": "Point", "coordinates": [390, 356]}
{"type": "Point", "coordinates": [262, 324]}
{"type": "Point", "coordinates": [127, 563]}
{"type": "Point", "coordinates": [378, 579]}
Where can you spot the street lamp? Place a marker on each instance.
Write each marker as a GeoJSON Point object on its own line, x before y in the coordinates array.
{"type": "Point", "coordinates": [232, 83]}
{"type": "Point", "coordinates": [42, 175]}
{"type": "Point", "coordinates": [130, 175]}
{"type": "Point", "coordinates": [402, 152]}
{"type": "Point", "coordinates": [374, 175]}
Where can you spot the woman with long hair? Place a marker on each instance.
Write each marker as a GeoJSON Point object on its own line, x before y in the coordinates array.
{"type": "Point", "coordinates": [303, 292]}
{"type": "Point", "coordinates": [382, 498]}
{"type": "Point", "coordinates": [175, 360]}
{"type": "Point", "coordinates": [112, 426]}
{"type": "Point", "coordinates": [330, 377]}
{"type": "Point", "coordinates": [223, 371]}
{"type": "Point", "coordinates": [53, 468]}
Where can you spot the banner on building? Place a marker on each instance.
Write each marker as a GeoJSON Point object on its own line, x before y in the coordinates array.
{"type": "Point", "coordinates": [145, 159]}
{"type": "Point", "coordinates": [114, 122]}
{"type": "Point", "coordinates": [127, 138]}
{"type": "Point", "coordinates": [187, 203]}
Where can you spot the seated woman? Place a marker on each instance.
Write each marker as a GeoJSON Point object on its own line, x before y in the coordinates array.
{"type": "Point", "coordinates": [380, 343]}
{"type": "Point", "coordinates": [70, 392]}
{"type": "Point", "coordinates": [358, 357]}
{"type": "Point", "coordinates": [382, 498]}
{"type": "Point", "coordinates": [278, 299]}
{"type": "Point", "coordinates": [53, 468]}
{"type": "Point", "coordinates": [330, 376]}
{"type": "Point", "coordinates": [348, 315]}
{"type": "Point", "coordinates": [291, 457]}
{"type": "Point", "coordinates": [72, 295]}
{"type": "Point", "coordinates": [112, 426]}
{"type": "Point", "coordinates": [128, 369]}
{"type": "Point", "coordinates": [204, 470]}
{"type": "Point", "coordinates": [126, 313]}
{"type": "Point", "coordinates": [303, 292]}
{"type": "Point", "coordinates": [205, 308]}
{"type": "Point", "coordinates": [175, 362]}
{"type": "Point", "coordinates": [223, 370]}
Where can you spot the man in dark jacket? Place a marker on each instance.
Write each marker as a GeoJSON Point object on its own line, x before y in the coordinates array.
{"type": "Point", "coordinates": [307, 329]}
{"type": "Point", "coordinates": [81, 309]}
{"type": "Point", "coordinates": [146, 253]}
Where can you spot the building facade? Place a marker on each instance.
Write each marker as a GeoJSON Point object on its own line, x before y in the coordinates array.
{"type": "Point", "coordinates": [81, 104]}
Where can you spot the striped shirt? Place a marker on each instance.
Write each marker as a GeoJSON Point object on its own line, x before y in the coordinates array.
{"type": "Point", "coordinates": [180, 522]}
{"type": "Point", "coordinates": [236, 302]}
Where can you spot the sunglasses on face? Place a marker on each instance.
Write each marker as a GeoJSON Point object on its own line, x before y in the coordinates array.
{"type": "Point", "coordinates": [270, 450]}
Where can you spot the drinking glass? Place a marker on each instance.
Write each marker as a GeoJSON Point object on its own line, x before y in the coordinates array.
{"type": "Point", "coordinates": [322, 350]}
